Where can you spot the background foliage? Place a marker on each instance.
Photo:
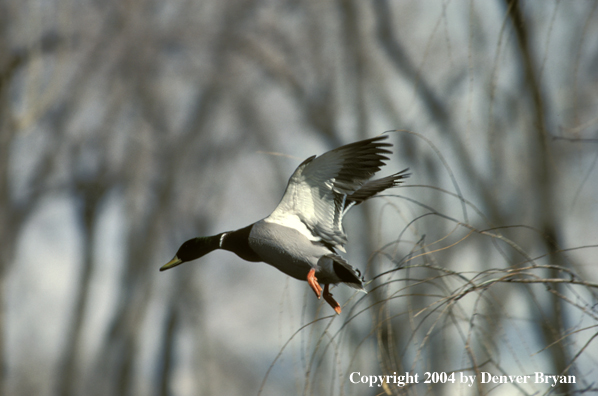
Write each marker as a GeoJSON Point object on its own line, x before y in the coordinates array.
{"type": "Point", "coordinates": [128, 127]}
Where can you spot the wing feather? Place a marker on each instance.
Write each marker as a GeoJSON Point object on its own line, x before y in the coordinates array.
{"type": "Point", "coordinates": [320, 190]}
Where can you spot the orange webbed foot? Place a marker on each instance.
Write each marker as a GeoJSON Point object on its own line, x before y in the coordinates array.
{"type": "Point", "coordinates": [313, 282]}
{"type": "Point", "coordinates": [331, 301]}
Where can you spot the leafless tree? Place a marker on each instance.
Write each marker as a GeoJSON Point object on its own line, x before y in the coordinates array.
{"type": "Point", "coordinates": [156, 121]}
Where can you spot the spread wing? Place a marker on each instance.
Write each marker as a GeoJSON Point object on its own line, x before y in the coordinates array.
{"type": "Point", "coordinates": [319, 192]}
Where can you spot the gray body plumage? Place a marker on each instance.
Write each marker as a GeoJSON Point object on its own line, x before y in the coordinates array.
{"type": "Point", "coordinates": [291, 252]}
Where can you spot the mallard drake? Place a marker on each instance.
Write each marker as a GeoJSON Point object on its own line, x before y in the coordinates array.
{"type": "Point", "coordinates": [302, 235]}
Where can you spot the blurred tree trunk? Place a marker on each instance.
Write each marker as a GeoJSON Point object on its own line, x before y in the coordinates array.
{"type": "Point", "coordinates": [90, 194]}
{"type": "Point", "coordinates": [10, 217]}
{"type": "Point", "coordinates": [15, 213]}
{"type": "Point", "coordinates": [553, 325]}
{"type": "Point", "coordinates": [9, 228]}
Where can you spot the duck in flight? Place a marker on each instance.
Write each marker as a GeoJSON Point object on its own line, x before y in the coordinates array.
{"type": "Point", "coordinates": [303, 234]}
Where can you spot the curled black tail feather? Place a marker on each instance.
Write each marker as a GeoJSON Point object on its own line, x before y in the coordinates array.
{"type": "Point", "coordinates": [347, 273]}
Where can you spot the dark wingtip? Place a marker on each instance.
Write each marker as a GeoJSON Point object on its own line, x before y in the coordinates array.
{"type": "Point", "coordinates": [402, 174]}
